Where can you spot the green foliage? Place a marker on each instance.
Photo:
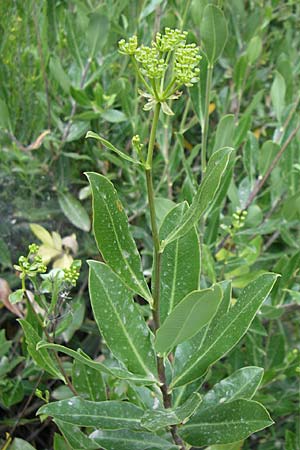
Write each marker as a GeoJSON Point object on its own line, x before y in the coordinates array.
{"type": "Point", "coordinates": [185, 336]}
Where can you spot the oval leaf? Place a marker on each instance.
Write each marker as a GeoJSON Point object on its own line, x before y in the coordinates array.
{"type": "Point", "coordinates": [225, 423]}
{"type": "Point", "coordinates": [214, 32]}
{"type": "Point", "coordinates": [127, 439]}
{"type": "Point", "coordinates": [110, 415]}
{"type": "Point", "coordinates": [113, 237]}
{"type": "Point", "coordinates": [74, 211]}
{"type": "Point", "coordinates": [241, 384]}
{"type": "Point", "coordinates": [189, 316]}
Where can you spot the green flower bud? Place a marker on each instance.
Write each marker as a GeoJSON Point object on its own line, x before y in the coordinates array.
{"type": "Point", "coordinates": [170, 40]}
{"type": "Point", "coordinates": [152, 65]}
{"type": "Point", "coordinates": [128, 48]}
{"type": "Point", "coordinates": [33, 248]}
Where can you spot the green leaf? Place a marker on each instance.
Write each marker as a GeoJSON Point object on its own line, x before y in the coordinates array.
{"type": "Point", "coordinates": [254, 49]}
{"type": "Point", "coordinates": [225, 131]}
{"type": "Point", "coordinates": [113, 237]}
{"type": "Point", "coordinates": [110, 415]}
{"type": "Point", "coordinates": [97, 34]}
{"type": "Point", "coordinates": [80, 356]}
{"type": "Point", "coordinates": [208, 263]}
{"type": "Point", "coordinates": [186, 349]}
{"type": "Point", "coordinates": [266, 155]}
{"type": "Point", "coordinates": [114, 116]}
{"type": "Point", "coordinates": [180, 263]}
{"type": "Point", "coordinates": [5, 122]}
{"type": "Point", "coordinates": [16, 296]}
{"type": "Point", "coordinates": [88, 382]}
{"type": "Point", "coordinates": [225, 423]}
{"type": "Point", "coordinates": [222, 335]}
{"type": "Point", "coordinates": [231, 446]}
{"type": "Point", "coordinates": [119, 320]}
{"type": "Point", "coordinates": [59, 74]}
{"type": "Point", "coordinates": [41, 357]}
{"type": "Point", "coordinates": [154, 420]}
{"type": "Point", "coordinates": [214, 32]}
{"type": "Point", "coordinates": [73, 39]}
{"type": "Point", "coordinates": [239, 73]}
{"type": "Point", "coordinates": [59, 443]}
{"type": "Point", "coordinates": [75, 437]}
{"type": "Point", "coordinates": [20, 444]}
{"type": "Point", "coordinates": [74, 211]}
{"type": "Point", "coordinates": [278, 89]}
{"type": "Point", "coordinates": [107, 144]}
{"type": "Point", "coordinates": [77, 130]}
{"type": "Point", "coordinates": [127, 439]}
{"type": "Point", "coordinates": [187, 318]}
{"type": "Point", "coordinates": [80, 96]}
{"type": "Point", "coordinates": [242, 130]}
{"type": "Point", "coordinates": [162, 207]}
{"type": "Point", "coordinates": [241, 384]}
{"type": "Point", "coordinates": [205, 195]}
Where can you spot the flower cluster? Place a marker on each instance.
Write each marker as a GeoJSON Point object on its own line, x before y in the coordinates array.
{"type": "Point", "coordinates": [71, 275]}
{"type": "Point", "coordinates": [170, 40]}
{"type": "Point", "coordinates": [130, 47]}
{"type": "Point", "coordinates": [238, 219]}
{"type": "Point", "coordinates": [187, 58]}
{"type": "Point", "coordinates": [153, 65]}
{"type": "Point", "coordinates": [136, 143]}
{"type": "Point", "coordinates": [32, 264]}
{"type": "Point", "coordinates": [155, 59]}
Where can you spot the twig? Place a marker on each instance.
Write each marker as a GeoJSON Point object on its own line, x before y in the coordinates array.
{"type": "Point", "coordinates": [25, 407]}
{"type": "Point", "coordinates": [50, 340]}
{"type": "Point", "coordinates": [262, 180]}
{"type": "Point", "coordinates": [272, 239]}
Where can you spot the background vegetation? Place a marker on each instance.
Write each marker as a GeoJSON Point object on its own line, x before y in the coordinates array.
{"type": "Point", "coordinates": [61, 75]}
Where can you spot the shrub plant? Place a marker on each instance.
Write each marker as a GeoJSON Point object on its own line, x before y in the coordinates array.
{"type": "Point", "coordinates": [162, 380]}
{"type": "Point", "coordinates": [191, 328]}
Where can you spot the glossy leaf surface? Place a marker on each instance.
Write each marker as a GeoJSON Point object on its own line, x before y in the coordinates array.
{"type": "Point", "coordinates": [75, 437]}
{"type": "Point", "coordinates": [225, 333]}
{"type": "Point", "coordinates": [188, 317]}
{"type": "Point", "coordinates": [110, 415]}
{"type": "Point", "coordinates": [113, 237]}
{"type": "Point", "coordinates": [127, 439]}
{"type": "Point", "coordinates": [88, 382]}
{"type": "Point", "coordinates": [225, 423]}
{"type": "Point", "coordinates": [180, 263]}
{"type": "Point", "coordinates": [86, 360]}
{"type": "Point", "coordinates": [185, 351]}
{"type": "Point", "coordinates": [119, 320]}
{"type": "Point", "coordinates": [205, 194]}
{"type": "Point", "coordinates": [157, 419]}
{"type": "Point", "coordinates": [241, 384]}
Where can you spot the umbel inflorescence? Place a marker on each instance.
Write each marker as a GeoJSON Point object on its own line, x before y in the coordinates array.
{"type": "Point", "coordinates": [164, 67]}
